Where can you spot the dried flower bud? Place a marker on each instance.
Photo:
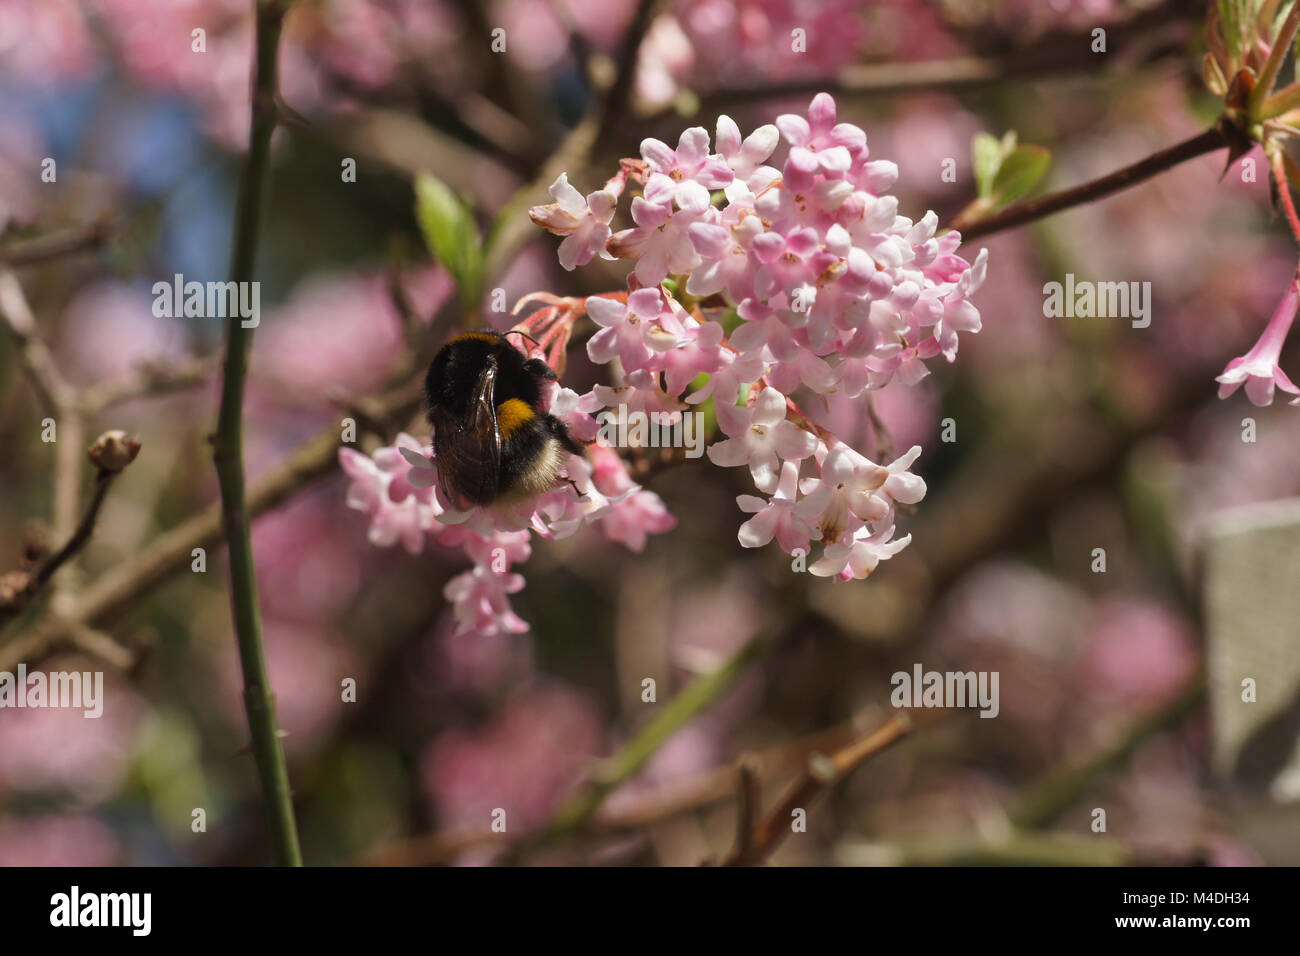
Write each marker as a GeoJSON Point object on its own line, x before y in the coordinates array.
{"type": "Point", "coordinates": [114, 450]}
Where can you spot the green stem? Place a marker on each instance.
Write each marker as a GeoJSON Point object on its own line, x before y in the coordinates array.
{"type": "Point", "coordinates": [1283, 101]}
{"type": "Point", "coordinates": [228, 452]}
{"type": "Point", "coordinates": [1276, 55]}
{"type": "Point", "coordinates": [693, 699]}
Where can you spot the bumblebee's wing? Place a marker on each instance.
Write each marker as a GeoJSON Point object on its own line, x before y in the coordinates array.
{"type": "Point", "coordinates": [467, 452]}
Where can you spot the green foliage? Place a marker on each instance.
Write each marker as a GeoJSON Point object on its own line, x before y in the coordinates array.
{"type": "Point", "coordinates": [987, 154]}
{"type": "Point", "coordinates": [449, 230]}
{"type": "Point", "coordinates": [1020, 173]}
{"type": "Point", "coordinates": [1006, 171]}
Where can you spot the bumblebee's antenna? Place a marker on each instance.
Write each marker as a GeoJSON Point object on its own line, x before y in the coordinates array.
{"type": "Point", "coordinates": [527, 336]}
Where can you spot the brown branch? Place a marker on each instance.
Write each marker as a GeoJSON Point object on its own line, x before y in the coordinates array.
{"type": "Point", "coordinates": [80, 535]}
{"type": "Point", "coordinates": [109, 464]}
{"type": "Point", "coordinates": [150, 379]}
{"type": "Point", "coordinates": [512, 230]}
{"type": "Point", "coordinates": [617, 98]}
{"type": "Point", "coordinates": [57, 244]}
{"type": "Point", "coordinates": [748, 804]}
{"type": "Point", "coordinates": [696, 792]}
{"type": "Point", "coordinates": [68, 468]}
{"type": "Point", "coordinates": [1215, 138]}
{"type": "Point", "coordinates": [820, 774]}
{"type": "Point", "coordinates": [53, 392]}
{"type": "Point", "coordinates": [98, 644]}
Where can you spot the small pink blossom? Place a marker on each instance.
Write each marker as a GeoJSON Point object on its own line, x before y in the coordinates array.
{"type": "Point", "coordinates": [760, 436]}
{"type": "Point", "coordinates": [398, 511]}
{"type": "Point", "coordinates": [637, 516]}
{"type": "Point", "coordinates": [700, 351]}
{"type": "Point", "coordinates": [480, 601]}
{"type": "Point", "coordinates": [689, 161]}
{"type": "Point", "coordinates": [1258, 368]}
{"type": "Point", "coordinates": [624, 327]}
{"type": "Point", "coordinates": [724, 386]}
{"type": "Point", "coordinates": [818, 144]}
{"type": "Point", "coordinates": [661, 241]}
{"type": "Point", "coordinates": [856, 554]}
{"type": "Point", "coordinates": [745, 156]}
{"type": "Point", "coordinates": [640, 394]}
{"type": "Point", "coordinates": [781, 517]}
{"type": "Point", "coordinates": [583, 222]}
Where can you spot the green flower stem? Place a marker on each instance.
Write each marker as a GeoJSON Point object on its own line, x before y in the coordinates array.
{"type": "Point", "coordinates": [228, 451]}
{"type": "Point", "coordinates": [1283, 101]}
{"type": "Point", "coordinates": [1276, 56]}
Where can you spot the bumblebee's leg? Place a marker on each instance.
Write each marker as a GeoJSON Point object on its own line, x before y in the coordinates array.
{"type": "Point", "coordinates": [576, 490]}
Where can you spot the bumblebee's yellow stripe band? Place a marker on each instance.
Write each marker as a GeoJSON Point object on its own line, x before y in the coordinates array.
{"type": "Point", "coordinates": [476, 336]}
{"type": "Point", "coordinates": [511, 414]}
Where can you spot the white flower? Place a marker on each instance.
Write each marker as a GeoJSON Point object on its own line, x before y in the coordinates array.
{"type": "Point", "coordinates": [746, 157]}
{"type": "Point", "coordinates": [780, 517]}
{"type": "Point", "coordinates": [584, 222]}
{"type": "Point", "coordinates": [856, 555]}
{"type": "Point", "coordinates": [759, 436]}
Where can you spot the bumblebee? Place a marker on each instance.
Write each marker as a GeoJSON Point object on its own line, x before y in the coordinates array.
{"type": "Point", "coordinates": [492, 442]}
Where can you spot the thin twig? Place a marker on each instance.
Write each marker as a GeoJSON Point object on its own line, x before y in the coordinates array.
{"type": "Point", "coordinates": [18, 598]}
{"type": "Point", "coordinates": [615, 106]}
{"type": "Point", "coordinates": [1217, 137]}
{"type": "Point", "coordinates": [52, 390]}
{"type": "Point", "coordinates": [57, 244]}
{"type": "Point", "coordinates": [511, 229]}
{"type": "Point", "coordinates": [81, 534]}
{"type": "Point", "coordinates": [820, 774]}
{"type": "Point", "coordinates": [228, 452]}
{"type": "Point", "coordinates": [69, 453]}
{"type": "Point", "coordinates": [748, 804]}
{"type": "Point", "coordinates": [702, 790]}
{"type": "Point", "coordinates": [150, 379]}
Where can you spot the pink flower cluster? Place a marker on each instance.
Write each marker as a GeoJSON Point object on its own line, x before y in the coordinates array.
{"type": "Point", "coordinates": [826, 287]}
{"type": "Point", "coordinates": [397, 488]}
{"type": "Point", "coordinates": [829, 289]}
